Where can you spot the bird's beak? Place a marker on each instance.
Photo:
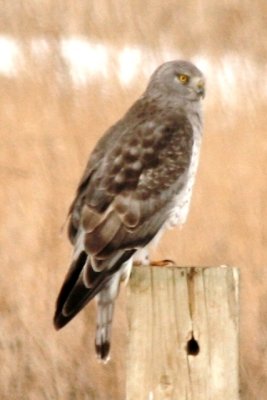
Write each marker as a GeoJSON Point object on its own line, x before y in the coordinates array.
{"type": "Point", "coordinates": [200, 88]}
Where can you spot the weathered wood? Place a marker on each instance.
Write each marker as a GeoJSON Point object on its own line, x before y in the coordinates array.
{"type": "Point", "coordinates": [183, 334]}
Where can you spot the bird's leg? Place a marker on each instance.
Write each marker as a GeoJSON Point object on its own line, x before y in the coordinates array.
{"type": "Point", "coordinates": [162, 263]}
{"type": "Point", "coordinates": [156, 263]}
{"type": "Point", "coordinates": [141, 257]}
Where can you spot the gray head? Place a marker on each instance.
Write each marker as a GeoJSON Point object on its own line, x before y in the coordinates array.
{"type": "Point", "coordinates": [177, 79]}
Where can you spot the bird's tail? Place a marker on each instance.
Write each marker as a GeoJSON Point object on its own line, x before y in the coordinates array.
{"type": "Point", "coordinates": [74, 295]}
{"type": "Point", "coordinates": [105, 309]}
{"type": "Point", "coordinates": [104, 285]}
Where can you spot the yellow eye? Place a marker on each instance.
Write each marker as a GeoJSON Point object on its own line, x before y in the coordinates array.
{"type": "Point", "coordinates": [183, 78]}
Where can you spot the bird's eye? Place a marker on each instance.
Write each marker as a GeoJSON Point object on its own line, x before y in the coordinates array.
{"type": "Point", "coordinates": [183, 78]}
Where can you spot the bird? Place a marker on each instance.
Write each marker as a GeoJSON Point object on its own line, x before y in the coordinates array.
{"type": "Point", "coordinates": [137, 183]}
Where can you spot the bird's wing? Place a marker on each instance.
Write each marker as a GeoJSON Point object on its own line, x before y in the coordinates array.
{"type": "Point", "coordinates": [124, 199]}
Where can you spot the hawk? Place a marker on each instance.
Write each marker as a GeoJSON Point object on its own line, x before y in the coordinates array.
{"type": "Point", "coordinates": [138, 182]}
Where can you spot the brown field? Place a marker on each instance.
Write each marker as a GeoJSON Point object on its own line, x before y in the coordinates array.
{"type": "Point", "coordinates": [48, 127]}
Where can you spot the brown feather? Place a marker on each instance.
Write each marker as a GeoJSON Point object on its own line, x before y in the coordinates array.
{"type": "Point", "coordinates": [90, 219]}
{"type": "Point", "coordinates": [128, 208]}
{"type": "Point", "coordinates": [97, 239]}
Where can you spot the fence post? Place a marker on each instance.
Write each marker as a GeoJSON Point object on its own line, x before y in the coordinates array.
{"type": "Point", "coordinates": [183, 334]}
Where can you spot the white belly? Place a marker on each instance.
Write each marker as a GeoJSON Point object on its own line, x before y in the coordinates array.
{"type": "Point", "coordinates": [179, 213]}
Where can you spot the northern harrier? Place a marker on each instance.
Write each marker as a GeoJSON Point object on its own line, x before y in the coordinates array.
{"type": "Point", "coordinates": [137, 183]}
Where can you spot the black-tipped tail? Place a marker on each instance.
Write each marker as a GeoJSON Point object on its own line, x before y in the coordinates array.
{"type": "Point", "coordinates": [102, 351]}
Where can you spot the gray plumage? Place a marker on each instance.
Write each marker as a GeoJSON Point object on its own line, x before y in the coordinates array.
{"type": "Point", "coordinates": [138, 181]}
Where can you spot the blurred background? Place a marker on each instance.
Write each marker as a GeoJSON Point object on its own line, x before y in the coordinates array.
{"type": "Point", "coordinates": [68, 70]}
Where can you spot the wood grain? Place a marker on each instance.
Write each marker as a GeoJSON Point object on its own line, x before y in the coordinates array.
{"type": "Point", "coordinates": [183, 334]}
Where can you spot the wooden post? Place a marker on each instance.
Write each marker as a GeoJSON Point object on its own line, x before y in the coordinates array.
{"type": "Point", "coordinates": [183, 334]}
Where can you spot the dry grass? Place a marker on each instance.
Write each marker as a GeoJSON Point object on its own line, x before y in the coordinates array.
{"type": "Point", "coordinates": [46, 132]}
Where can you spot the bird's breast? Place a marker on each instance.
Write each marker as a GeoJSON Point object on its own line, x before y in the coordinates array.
{"type": "Point", "coordinates": [179, 212]}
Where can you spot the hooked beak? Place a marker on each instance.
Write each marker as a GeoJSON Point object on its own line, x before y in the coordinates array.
{"type": "Point", "coordinates": [200, 88]}
{"type": "Point", "coordinates": [201, 92]}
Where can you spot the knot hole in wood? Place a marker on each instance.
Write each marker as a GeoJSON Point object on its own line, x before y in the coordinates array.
{"type": "Point", "coordinates": [192, 347]}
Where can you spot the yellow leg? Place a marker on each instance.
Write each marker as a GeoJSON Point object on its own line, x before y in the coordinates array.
{"type": "Point", "coordinates": [157, 263]}
{"type": "Point", "coordinates": [162, 263]}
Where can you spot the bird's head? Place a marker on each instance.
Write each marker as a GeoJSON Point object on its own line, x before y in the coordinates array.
{"type": "Point", "coordinates": [178, 79]}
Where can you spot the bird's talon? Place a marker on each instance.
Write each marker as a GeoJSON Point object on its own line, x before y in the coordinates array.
{"type": "Point", "coordinates": [162, 263]}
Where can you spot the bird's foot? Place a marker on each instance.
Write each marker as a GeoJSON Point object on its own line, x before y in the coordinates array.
{"type": "Point", "coordinates": [162, 263]}
{"type": "Point", "coordinates": [156, 263]}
